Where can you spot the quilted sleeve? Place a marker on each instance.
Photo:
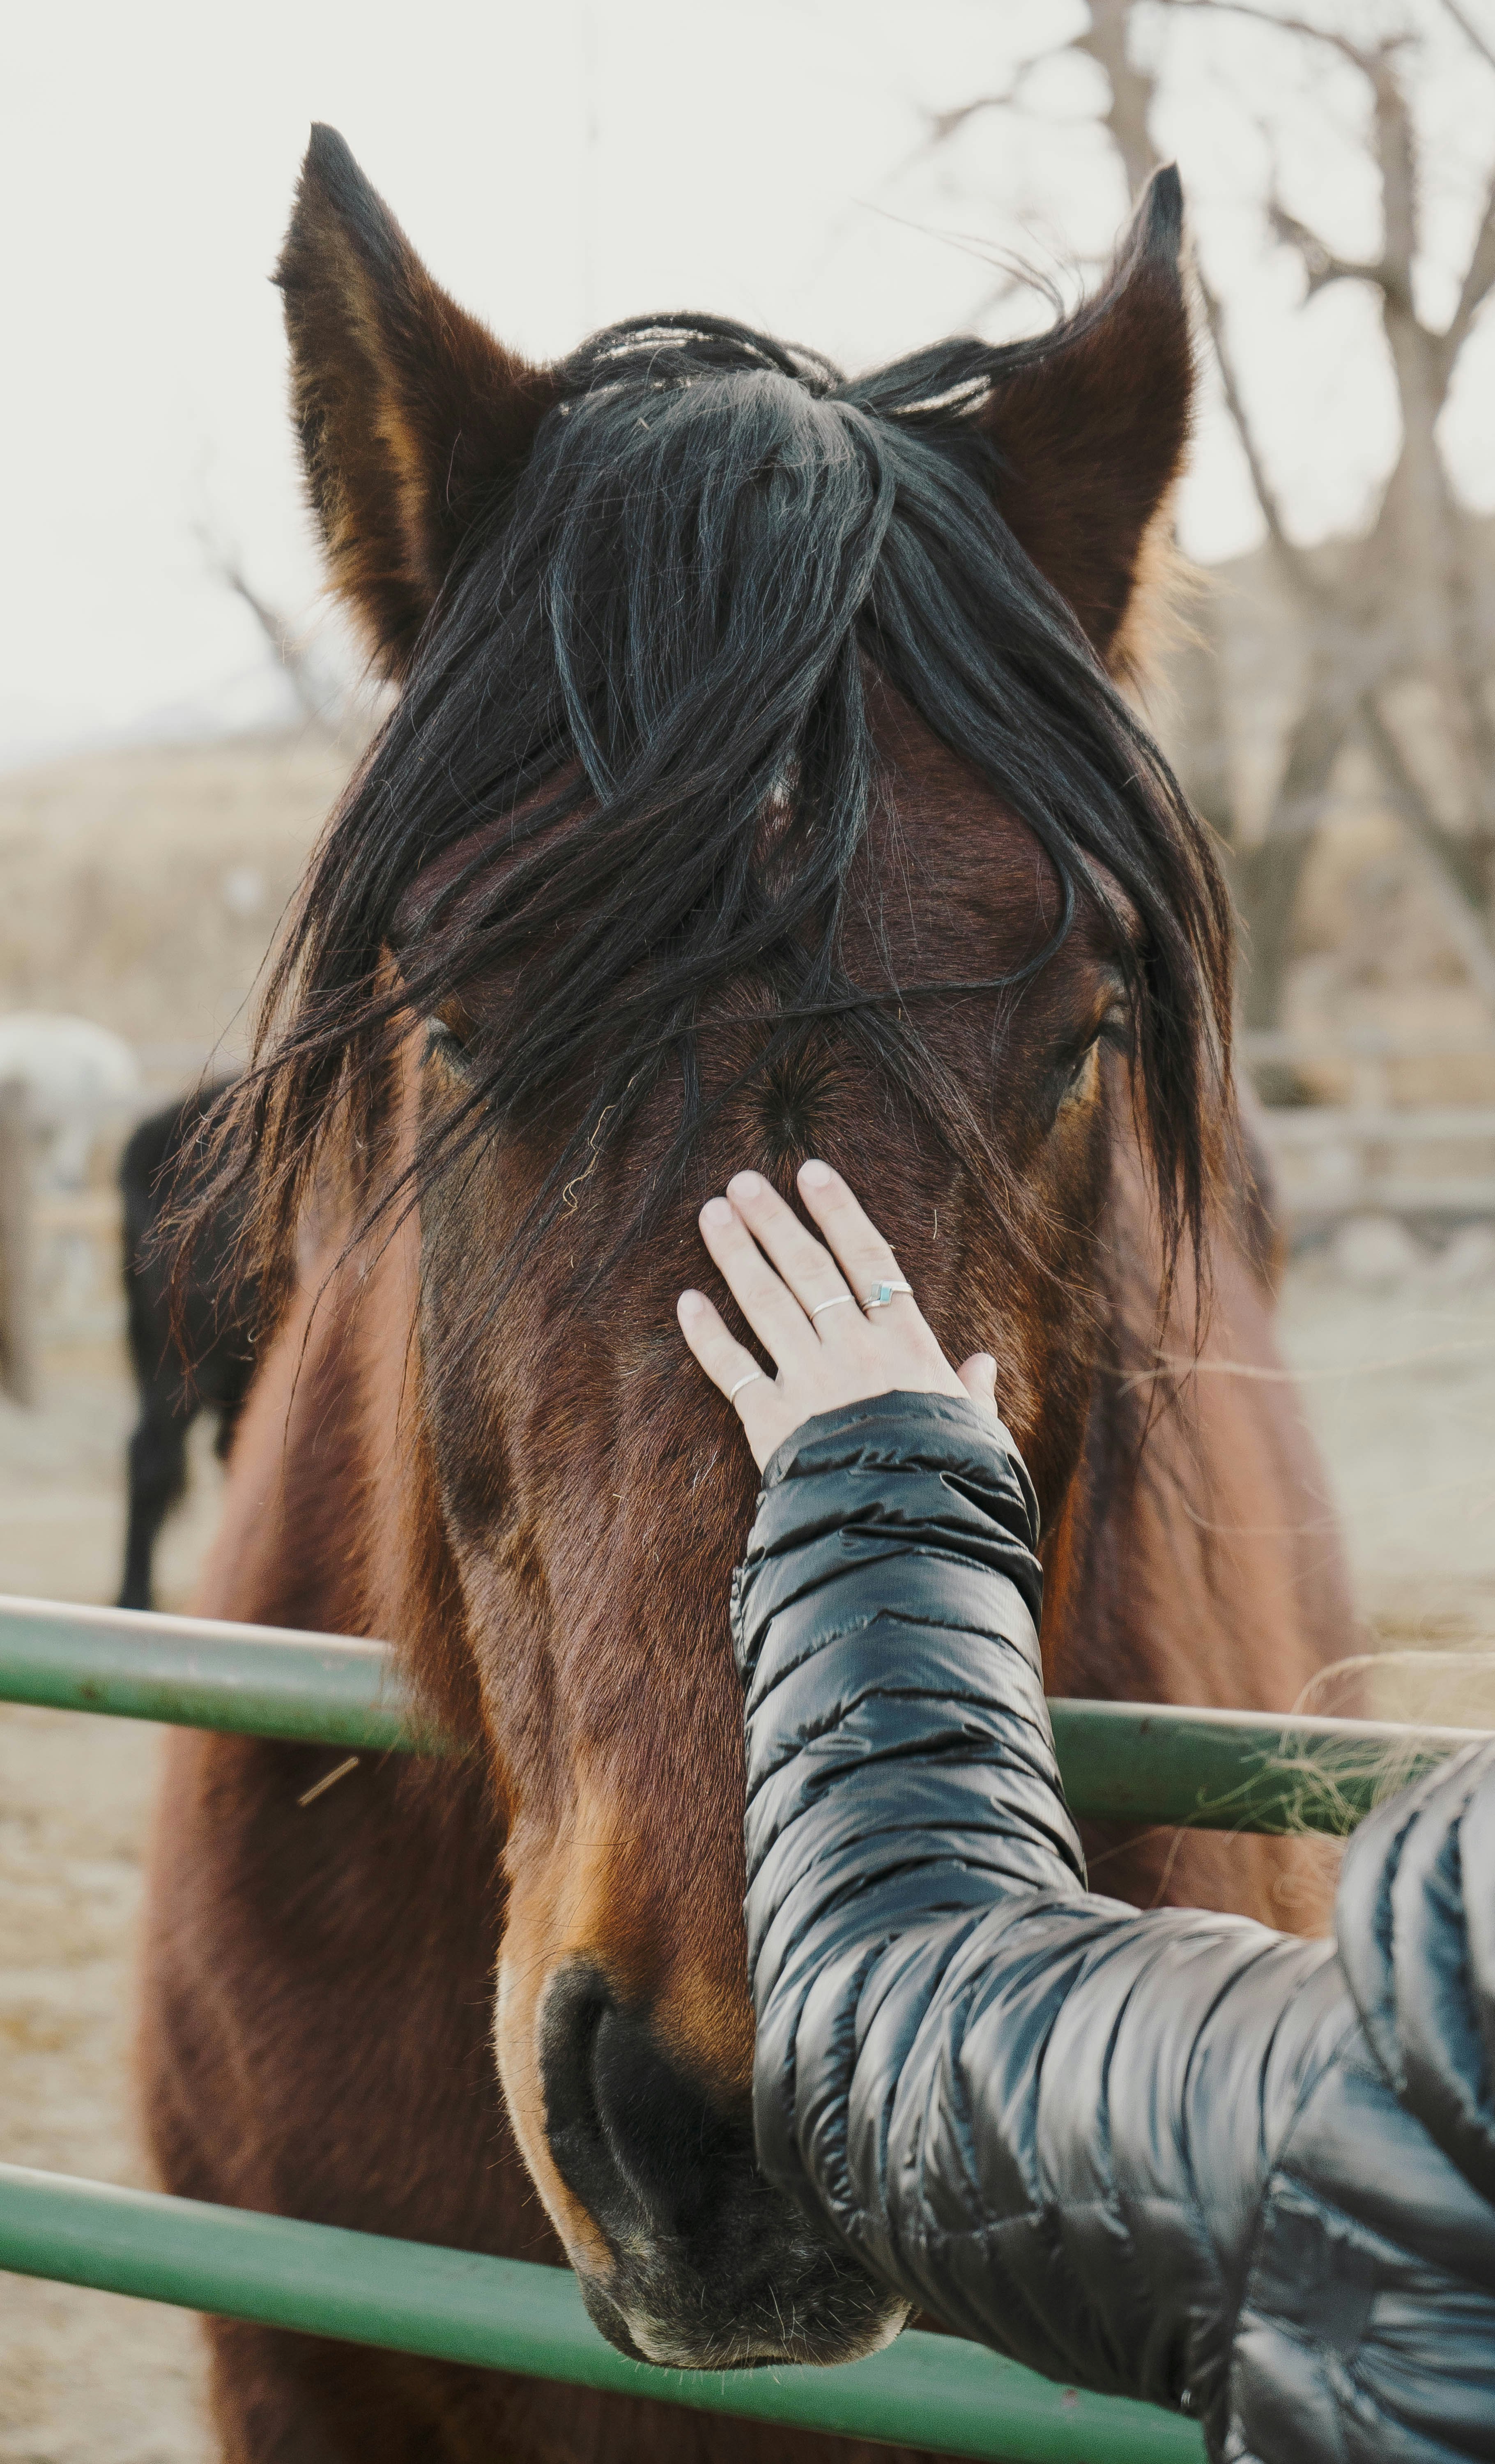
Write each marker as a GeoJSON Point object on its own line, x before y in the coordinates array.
{"type": "Point", "coordinates": [1066, 2129]}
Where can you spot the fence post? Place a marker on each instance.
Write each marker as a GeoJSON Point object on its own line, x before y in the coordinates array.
{"type": "Point", "coordinates": [17, 1297]}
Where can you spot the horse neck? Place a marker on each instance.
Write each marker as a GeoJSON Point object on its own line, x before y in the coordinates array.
{"type": "Point", "coordinates": [1197, 1543]}
{"type": "Point", "coordinates": [330, 1518]}
{"type": "Point", "coordinates": [1196, 1559]}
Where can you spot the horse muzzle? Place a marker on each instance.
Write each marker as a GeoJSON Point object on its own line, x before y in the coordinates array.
{"type": "Point", "coordinates": [711, 2268]}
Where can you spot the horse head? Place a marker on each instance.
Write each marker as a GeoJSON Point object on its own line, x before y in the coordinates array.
{"type": "Point", "coordinates": [758, 785]}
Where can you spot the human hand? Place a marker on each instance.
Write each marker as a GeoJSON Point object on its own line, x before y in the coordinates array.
{"type": "Point", "coordinates": [804, 1302]}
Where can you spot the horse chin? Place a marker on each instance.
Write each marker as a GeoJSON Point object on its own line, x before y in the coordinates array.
{"type": "Point", "coordinates": [798, 2313]}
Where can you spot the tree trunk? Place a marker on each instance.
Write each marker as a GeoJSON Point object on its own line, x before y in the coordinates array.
{"type": "Point", "coordinates": [1267, 876]}
{"type": "Point", "coordinates": [1266, 880]}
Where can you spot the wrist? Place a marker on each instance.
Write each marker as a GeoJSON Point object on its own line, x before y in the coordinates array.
{"type": "Point", "coordinates": [949, 1425]}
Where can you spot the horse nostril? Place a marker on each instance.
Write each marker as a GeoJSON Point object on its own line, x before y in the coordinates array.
{"type": "Point", "coordinates": [710, 2267]}
{"type": "Point", "coordinates": [631, 2137]}
{"type": "Point", "coordinates": [571, 2015]}
{"type": "Point", "coordinates": [680, 2157]}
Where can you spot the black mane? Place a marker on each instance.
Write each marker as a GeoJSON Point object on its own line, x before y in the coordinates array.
{"type": "Point", "coordinates": [662, 635]}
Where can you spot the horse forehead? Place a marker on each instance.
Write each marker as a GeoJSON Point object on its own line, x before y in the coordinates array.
{"type": "Point", "coordinates": [936, 827]}
{"type": "Point", "coordinates": [953, 842]}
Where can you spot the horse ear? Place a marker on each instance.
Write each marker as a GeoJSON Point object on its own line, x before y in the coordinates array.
{"type": "Point", "coordinates": [411, 416]}
{"type": "Point", "coordinates": [1092, 428]}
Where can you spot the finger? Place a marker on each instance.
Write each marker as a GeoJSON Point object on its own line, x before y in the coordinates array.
{"type": "Point", "coordinates": [731, 1368]}
{"type": "Point", "coordinates": [805, 1263]}
{"type": "Point", "coordinates": [860, 1251]}
{"type": "Point", "coordinates": [761, 1293]}
{"type": "Point", "coordinates": [979, 1376]}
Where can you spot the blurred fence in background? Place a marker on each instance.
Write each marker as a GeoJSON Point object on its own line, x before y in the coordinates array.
{"type": "Point", "coordinates": [1385, 1124]}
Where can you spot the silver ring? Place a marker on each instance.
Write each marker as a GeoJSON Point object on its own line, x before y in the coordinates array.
{"type": "Point", "coordinates": [831, 1304]}
{"type": "Point", "coordinates": [882, 1293]}
{"type": "Point", "coordinates": [733, 1392]}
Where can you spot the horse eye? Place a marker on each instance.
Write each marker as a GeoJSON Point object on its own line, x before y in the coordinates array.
{"type": "Point", "coordinates": [448, 1031]}
{"type": "Point", "coordinates": [1116, 1032]}
{"type": "Point", "coordinates": [1080, 1065]}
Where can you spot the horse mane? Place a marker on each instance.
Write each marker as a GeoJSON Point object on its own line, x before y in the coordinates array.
{"type": "Point", "coordinates": [632, 765]}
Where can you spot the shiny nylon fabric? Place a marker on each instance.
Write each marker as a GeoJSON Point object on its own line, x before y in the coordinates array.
{"type": "Point", "coordinates": [1172, 2155]}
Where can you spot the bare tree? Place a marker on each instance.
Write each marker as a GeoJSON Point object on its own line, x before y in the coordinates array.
{"type": "Point", "coordinates": [1402, 602]}
{"type": "Point", "coordinates": [330, 701]}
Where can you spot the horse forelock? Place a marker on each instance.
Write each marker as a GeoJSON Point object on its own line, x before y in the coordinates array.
{"type": "Point", "coordinates": [635, 761]}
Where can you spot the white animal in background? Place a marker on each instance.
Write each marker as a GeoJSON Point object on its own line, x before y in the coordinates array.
{"type": "Point", "coordinates": [75, 1074]}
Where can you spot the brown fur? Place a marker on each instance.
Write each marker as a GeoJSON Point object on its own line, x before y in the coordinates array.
{"type": "Point", "coordinates": [535, 1496]}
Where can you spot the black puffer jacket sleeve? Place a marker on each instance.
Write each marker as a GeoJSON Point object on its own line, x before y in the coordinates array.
{"type": "Point", "coordinates": [1171, 2155]}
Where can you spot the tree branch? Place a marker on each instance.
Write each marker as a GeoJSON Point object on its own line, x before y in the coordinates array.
{"type": "Point", "coordinates": [1319, 262]}
{"type": "Point", "coordinates": [1454, 868]}
{"type": "Point", "coordinates": [942, 125]}
{"type": "Point", "coordinates": [1132, 88]}
{"type": "Point", "coordinates": [1478, 281]}
{"type": "Point", "coordinates": [289, 655]}
{"type": "Point", "coordinates": [1267, 875]}
{"type": "Point", "coordinates": [945, 124]}
{"type": "Point", "coordinates": [1290, 557]}
{"type": "Point", "coordinates": [1131, 91]}
{"type": "Point", "coordinates": [317, 701]}
{"type": "Point", "coordinates": [1364, 61]}
{"type": "Point", "coordinates": [1470, 33]}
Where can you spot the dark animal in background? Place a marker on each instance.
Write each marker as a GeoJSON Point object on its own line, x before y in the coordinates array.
{"type": "Point", "coordinates": [201, 1361]}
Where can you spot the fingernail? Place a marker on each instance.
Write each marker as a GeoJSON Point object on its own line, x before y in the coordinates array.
{"type": "Point", "coordinates": [715, 1212]}
{"type": "Point", "coordinates": [745, 1184]}
{"type": "Point", "coordinates": [815, 1176]}
{"type": "Point", "coordinates": [690, 1304]}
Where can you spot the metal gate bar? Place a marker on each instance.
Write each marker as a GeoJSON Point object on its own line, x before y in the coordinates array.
{"type": "Point", "coordinates": [504, 2314]}
{"type": "Point", "coordinates": [1129, 1762]}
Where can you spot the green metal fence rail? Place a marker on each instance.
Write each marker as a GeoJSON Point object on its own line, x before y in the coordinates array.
{"type": "Point", "coordinates": [1231, 1770]}
{"type": "Point", "coordinates": [1129, 1762]}
{"type": "Point", "coordinates": [504, 2314]}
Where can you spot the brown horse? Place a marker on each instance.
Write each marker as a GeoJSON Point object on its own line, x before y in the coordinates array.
{"type": "Point", "coordinates": [757, 788]}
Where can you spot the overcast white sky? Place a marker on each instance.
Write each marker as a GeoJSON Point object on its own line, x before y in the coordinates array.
{"type": "Point", "coordinates": [559, 166]}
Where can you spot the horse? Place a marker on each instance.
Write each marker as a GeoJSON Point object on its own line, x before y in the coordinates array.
{"type": "Point", "coordinates": [760, 784]}
{"type": "Point", "coordinates": [192, 1350]}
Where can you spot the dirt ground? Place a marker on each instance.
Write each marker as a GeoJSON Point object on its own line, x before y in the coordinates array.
{"type": "Point", "coordinates": [142, 886]}
{"type": "Point", "coordinates": [1398, 1377]}
{"type": "Point", "coordinates": [85, 2377]}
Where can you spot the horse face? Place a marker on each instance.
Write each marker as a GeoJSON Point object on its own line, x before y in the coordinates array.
{"type": "Point", "coordinates": [593, 1492]}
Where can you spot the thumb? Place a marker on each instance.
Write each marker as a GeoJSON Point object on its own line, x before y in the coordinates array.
{"type": "Point", "coordinates": [979, 1376]}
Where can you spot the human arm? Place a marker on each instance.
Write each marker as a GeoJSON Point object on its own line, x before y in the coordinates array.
{"type": "Point", "coordinates": [1157, 2154]}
